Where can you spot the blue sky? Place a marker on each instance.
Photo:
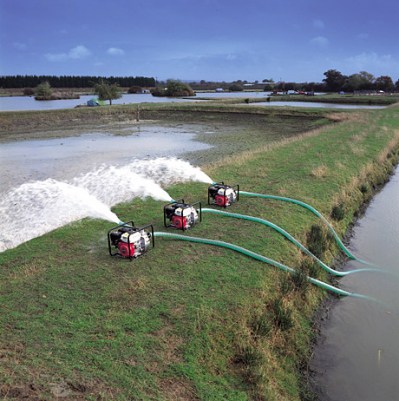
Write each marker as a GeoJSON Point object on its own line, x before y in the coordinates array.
{"type": "Point", "coordinates": [216, 40]}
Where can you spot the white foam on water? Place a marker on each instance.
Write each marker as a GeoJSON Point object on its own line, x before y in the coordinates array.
{"type": "Point", "coordinates": [36, 208]}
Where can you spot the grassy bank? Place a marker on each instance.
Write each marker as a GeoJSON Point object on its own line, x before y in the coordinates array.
{"type": "Point", "coordinates": [349, 98]}
{"type": "Point", "coordinates": [190, 322]}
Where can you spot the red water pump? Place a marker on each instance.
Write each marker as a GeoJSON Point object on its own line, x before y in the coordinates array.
{"type": "Point", "coordinates": [223, 195]}
{"type": "Point", "coordinates": [128, 241]}
{"type": "Point", "coordinates": [182, 215]}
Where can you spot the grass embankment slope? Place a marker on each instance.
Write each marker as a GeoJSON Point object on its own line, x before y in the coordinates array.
{"type": "Point", "coordinates": [349, 98]}
{"type": "Point", "coordinates": [189, 321]}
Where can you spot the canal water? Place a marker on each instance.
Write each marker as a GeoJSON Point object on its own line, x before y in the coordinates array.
{"type": "Point", "coordinates": [357, 355]}
{"type": "Point", "coordinates": [25, 103]}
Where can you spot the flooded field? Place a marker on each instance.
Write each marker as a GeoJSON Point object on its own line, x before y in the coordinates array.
{"type": "Point", "coordinates": [23, 103]}
{"type": "Point", "coordinates": [47, 183]}
{"type": "Point", "coordinates": [65, 158]}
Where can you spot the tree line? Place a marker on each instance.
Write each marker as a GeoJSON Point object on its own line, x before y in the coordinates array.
{"type": "Point", "coordinates": [335, 81]}
{"type": "Point", "coordinates": [70, 81]}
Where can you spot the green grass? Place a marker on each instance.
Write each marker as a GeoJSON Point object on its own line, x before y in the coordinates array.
{"type": "Point", "coordinates": [185, 321]}
{"type": "Point", "coordinates": [378, 100]}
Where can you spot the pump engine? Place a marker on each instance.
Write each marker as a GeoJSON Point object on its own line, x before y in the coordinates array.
{"type": "Point", "coordinates": [223, 195]}
{"type": "Point", "coordinates": [128, 241]}
{"type": "Point", "coordinates": [181, 215]}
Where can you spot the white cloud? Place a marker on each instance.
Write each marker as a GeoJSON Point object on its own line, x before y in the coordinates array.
{"type": "Point", "coordinates": [317, 23]}
{"type": "Point", "coordinates": [320, 41]}
{"type": "Point", "coordinates": [114, 51]}
{"type": "Point", "coordinates": [56, 57]}
{"type": "Point", "coordinates": [76, 53]}
{"type": "Point", "coordinates": [79, 52]}
{"type": "Point", "coordinates": [372, 61]}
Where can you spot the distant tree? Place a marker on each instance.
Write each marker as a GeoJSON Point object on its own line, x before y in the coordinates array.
{"type": "Point", "coordinates": [173, 88]}
{"type": "Point", "coordinates": [334, 80]}
{"type": "Point", "coordinates": [28, 92]}
{"type": "Point", "coordinates": [269, 84]}
{"type": "Point", "coordinates": [367, 79]}
{"type": "Point", "coordinates": [281, 86]}
{"type": "Point", "coordinates": [359, 82]}
{"type": "Point", "coordinates": [69, 81]}
{"type": "Point", "coordinates": [235, 88]}
{"type": "Point", "coordinates": [178, 89]}
{"type": "Point", "coordinates": [352, 83]}
{"type": "Point", "coordinates": [313, 87]}
{"type": "Point", "coordinates": [291, 86]}
{"type": "Point", "coordinates": [268, 87]}
{"type": "Point", "coordinates": [157, 91]}
{"type": "Point", "coordinates": [44, 91]}
{"type": "Point", "coordinates": [397, 85]}
{"type": "Point", "coordinates": [135, 89]}
{"type": "Point", "coordinates": [106, 91]}
{"type": "Point", "coordinates": [384, 83]}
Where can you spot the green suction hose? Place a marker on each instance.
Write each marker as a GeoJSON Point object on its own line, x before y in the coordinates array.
{"type": "Point", "coordinates": [315, 212]}
{"type": "Point", "coordinates": [289, 237]}
{"type": "Point", "coordinates": [261, 258]}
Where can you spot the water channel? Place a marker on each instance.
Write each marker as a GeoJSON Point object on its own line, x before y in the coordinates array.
{"type": "Point", "coordinates": [25, 103]}
{"type": "Point", "coordinates": [357, 355]}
